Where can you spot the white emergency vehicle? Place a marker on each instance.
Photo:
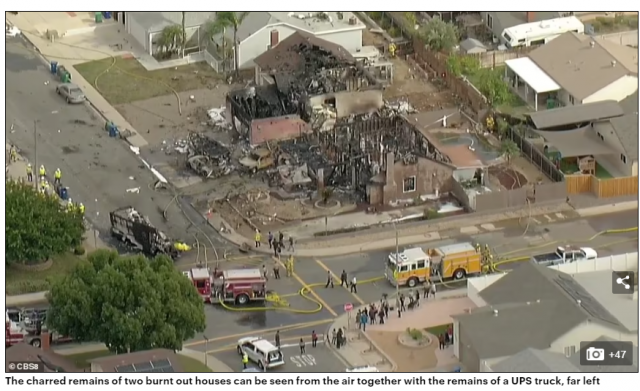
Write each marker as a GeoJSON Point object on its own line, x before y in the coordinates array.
{"type": "Point", "coordinates": [261, 352]}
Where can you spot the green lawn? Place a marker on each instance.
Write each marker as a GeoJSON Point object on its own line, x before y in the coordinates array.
{"type": "Point", "coordinates": [569, 168]}
{"type": "Point", "coordinates": [20, 282]}
{"type": "Point", "coordinates": [189, 364]}
{"type": "Point", "coordinates": [128, 81]}
{"type": "Point", "coordinates": [437, 330]}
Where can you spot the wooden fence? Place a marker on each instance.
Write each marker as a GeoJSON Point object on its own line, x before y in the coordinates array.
{"type": "Point", "coordinates": [496, 58]}
{"type": "Point", "coordinates": [602, 188]}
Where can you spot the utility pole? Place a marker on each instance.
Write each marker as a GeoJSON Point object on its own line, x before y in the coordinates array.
{"type": "Point", "coordinates": [206, 351]}
{"type": "Point", "coordinates": [395, 228]}
{"type": "Point", "coordinates": [35, 153]}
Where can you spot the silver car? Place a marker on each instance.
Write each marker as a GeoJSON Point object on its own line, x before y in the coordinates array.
{"type": "Point", "coordinates": [70, 92]}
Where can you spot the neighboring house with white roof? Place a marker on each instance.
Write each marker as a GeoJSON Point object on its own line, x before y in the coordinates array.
{"type": "Point", "coordinates": [261, 31]}
{"type": "Point", "coordinates": [535, 307]}
{"type": "Point", "coordinates": [576, 69]}
{"type": "Point", "coordinates": [145, 27]}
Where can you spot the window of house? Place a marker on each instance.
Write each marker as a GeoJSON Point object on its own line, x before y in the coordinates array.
{"type": "Point", "coordinates": [409, 184]}
{"type": "Point", "coordinates": [572, 100]}
{"type": "Point", "coordinates": [490, 21]}
{"type": "Point", "coordinates": [623, 158]}
{"type": "Point", "coordinates": [569, 351]}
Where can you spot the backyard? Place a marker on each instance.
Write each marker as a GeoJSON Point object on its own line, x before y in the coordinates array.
{"type": "Point", "coordinates": [604, 25]}
{"type": "Point", "coordinates": [570, 167]}
{"type": "Point", "coordinates": [123, 80]}
{"type": "Point", "coordinates": [490, 82]}
{"type": "Point", "coordinates": [29, 281]}
{"type": "Point", "coordinates": [83, 360]}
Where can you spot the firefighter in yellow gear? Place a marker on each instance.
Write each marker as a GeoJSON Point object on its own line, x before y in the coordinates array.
{"type": "Point", "coordinates": [392, 49]}
{"type": "Point", "coordinates": [81, 208]}
{"type": "Point", "coordinates": [182, 247]}
{"type": "Point", "coordinates": [478, 248]}
{"type": "Point", "coordinates": [44, 185]}
{"type": "Point", "coordinates": [29, 173]}
{"type": "Point", "coordinates": [70, 205]}
{"type": "Point", "coordinates": [57, 176]}
{"type": "Point", "coordinates": [42, 172]}
{"type": "Point", "coordinates": [289, 266]}
{"type": "Point", "coordinates": [258, 238]}
{"type": "Point", "coordinates": [13, 154]}
{"type": "Point", "coordinates": [245, 360]}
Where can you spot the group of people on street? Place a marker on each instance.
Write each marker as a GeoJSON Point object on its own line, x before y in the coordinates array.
{"type": "Point", "coordinates": [344, 281]}
{"type": "Point", "coordinates": [276, 244]}
{"type": "Point", "coordinates": [372, 314]}
{"type": "Point", "coordinates": [445, 339]}
{"type": "Point", "coordinates": [288, 264]}
{"type": "Point", "coordinates": [338, 338]}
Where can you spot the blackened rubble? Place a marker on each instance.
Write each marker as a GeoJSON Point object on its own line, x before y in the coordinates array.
{"type": "Point", "coordinates": [302, 67]}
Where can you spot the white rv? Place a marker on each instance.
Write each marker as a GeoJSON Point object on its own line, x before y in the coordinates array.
{"type": "Point", "coordinates": [539, 33]}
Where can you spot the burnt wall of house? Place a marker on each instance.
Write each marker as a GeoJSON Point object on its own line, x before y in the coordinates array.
{"type": "Point", "coordinates": [263, 102]}
{"type": "Point", "coordinates": [348, 103]}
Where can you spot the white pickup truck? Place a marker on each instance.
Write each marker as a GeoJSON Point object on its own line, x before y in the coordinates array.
{"type": "Point", "coordinates": [565, 254]}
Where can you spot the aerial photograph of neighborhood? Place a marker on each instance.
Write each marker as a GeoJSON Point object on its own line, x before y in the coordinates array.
{"type": "Point", "coordinates": [322, 191]}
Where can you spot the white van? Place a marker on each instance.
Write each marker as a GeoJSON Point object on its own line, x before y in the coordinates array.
{"type": "Point", "coordinates": [367, 368]}
{"type": "Point", "coordinates": [261, 352]}
{"type": "Point", "coordinates": [540, 33]}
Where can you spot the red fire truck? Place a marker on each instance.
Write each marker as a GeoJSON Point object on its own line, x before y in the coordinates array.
{"type": "Point", "coordinates": [19, 328]}
{"type": "Point", "coordinates": [238, 286]}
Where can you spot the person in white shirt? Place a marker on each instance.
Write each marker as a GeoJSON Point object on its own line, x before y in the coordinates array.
{"type": "Point", "coordinates": [354, 285]}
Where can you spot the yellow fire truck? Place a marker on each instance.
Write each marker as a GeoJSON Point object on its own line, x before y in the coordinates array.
{"type": "Point", "coordinates": [415, 265]}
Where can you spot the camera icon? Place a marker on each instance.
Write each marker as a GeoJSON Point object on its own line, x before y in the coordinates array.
{"type": "Point", "coordinates": [594, 354]}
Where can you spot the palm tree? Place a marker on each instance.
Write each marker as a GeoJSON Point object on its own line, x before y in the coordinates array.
{"type": "Point", "coordinates": [184, 32]}
{"type": "Point", "coordinates": [170, 40]}
{"type": "Point", "coordinates": [509, 150]}
{"type": "Point", "coordinates": [225, 20]}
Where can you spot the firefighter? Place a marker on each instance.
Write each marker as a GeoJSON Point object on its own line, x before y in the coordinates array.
{"type": "Point", "coordinates": [43, 185]}
{"type": "Point", "coordinates": [245, 360]}
{"type": "Point", "coordinates": [81, 208]}
{"type": "Point", "coordinates": [258, 238]}
{"type": "Point", "coordinates": [289, 266]}
{"type": "Point", "coordinates": [478, 248]}
{"type": "Point", "coordinates": [70, 205]}
{"type": "Point", "coordinates": [392, 49]}
{"type": "Point", "coordinates": [29, 173]}
{"type": "Point", "coordinates": [57, 176]}
{"type": "Point", "coordinates": [42, 172]}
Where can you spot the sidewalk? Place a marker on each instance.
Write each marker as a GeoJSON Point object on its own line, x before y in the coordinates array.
{"type": "Point", "coordinates": [70, 55]}
{"type": "Point", "coordinates": [378, 346]}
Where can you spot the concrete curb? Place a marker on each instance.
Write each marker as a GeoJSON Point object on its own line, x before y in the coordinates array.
{"type": "Point", "coordinates": [610, 208]}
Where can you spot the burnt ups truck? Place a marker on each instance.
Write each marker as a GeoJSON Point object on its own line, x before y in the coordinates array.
{"type": "Point", "coordinates": [565, 254]}
{"type": "Point", "coordinates": [137, 233]}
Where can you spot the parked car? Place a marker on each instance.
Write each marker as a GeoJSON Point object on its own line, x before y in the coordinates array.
{"type": "Point", "coordinates": [261, 352]}
{"type": "Point", "coordinates": [71, 92]}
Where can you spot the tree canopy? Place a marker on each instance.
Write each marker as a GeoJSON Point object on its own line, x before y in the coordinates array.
{"type": "Point", "coordinates": [439, 35]}
{"type": "Point", "coordinates": [38, 226]}
{"type": "Point", "coordinates": [127, 302]}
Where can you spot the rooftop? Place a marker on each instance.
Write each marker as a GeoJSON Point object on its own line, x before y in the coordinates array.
{"type": "Point", "coordinates": [622, 307]}
{"type": "Point", "coordinates": [53, 362]}
{"type": "Point", "coordinates": [571, 59]}
{"type": "Point", "coordinates": [156, 360]}
{"type": "Point", "coordinates": [545, 302]}
{"type": "Point", "coordinates": [504, 20]}
{"type": "Point", "coordinates": [156, 21]}
{"type": "Point", "coordinates": [535, 360]}
{"type": "Point", "coordinates": [570, 115]}
{"type": "Point", "coordinates": [626, 126]}
{"type": "Point", "coordinates": [316, 23]}
{"type": "Point", "coordinates": [301, 51]}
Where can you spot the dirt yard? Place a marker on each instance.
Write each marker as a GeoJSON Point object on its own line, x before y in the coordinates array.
{"type": "Point", "coordinates": [507, 177]}
{"type": "Point", "coordinates": [409, 82]}
{"type": "Point", "coordinates": [158, 119]}
{"type": "Point", "coordinates": [372, 39]}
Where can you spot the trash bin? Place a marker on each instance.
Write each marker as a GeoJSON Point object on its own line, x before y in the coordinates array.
{"type": "Point", "coordinates": [107, 15]}
{"type": "Point", "coordinates": [98, 17]}
{"type": "Point", "coordinates": [54, 67]}
{"type": "Point", "coordinates": [64, 193]}
{"type": "Point", "coordinates": [113, 131]}
{"type": "Point", "coordinates": [66, 77]}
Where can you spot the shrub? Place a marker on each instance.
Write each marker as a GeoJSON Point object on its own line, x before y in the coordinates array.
{"type": "Point", "coordinates": [415, 334]}
{"type": "Point", "coordinates": [79, 250]}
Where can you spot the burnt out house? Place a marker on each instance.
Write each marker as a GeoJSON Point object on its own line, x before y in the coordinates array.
{"type": "Point", "coordinates": [298, 79]}
{"type": "Point", "coordinates": [383, 160]}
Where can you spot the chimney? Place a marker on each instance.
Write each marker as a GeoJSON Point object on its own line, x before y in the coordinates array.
{"type": "Point", "coordinates": [275, 38]}
{"type": "Point", "coordinates": [495, 312]}
{"type": "Point", "coordinates": [353, 21]}
{"type": "Point", "coordinates": [613, 63]}
{"type": "Point", "coordinates": [45, 340]}
{"type": "Point", "coordinates": [531, 17]}
{"type": "Point", "coordinates": [592, 44]}
{"type": "Point", "coordinates": [579, 302]}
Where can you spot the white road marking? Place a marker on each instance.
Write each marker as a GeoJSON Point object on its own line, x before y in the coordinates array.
{"type": "Point", "coordinates": [303, 360]}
